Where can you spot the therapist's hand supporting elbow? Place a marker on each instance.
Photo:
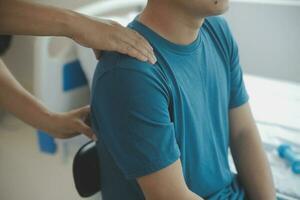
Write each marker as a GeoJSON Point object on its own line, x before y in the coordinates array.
{"type": "Point", "coordinates": [15, 99]}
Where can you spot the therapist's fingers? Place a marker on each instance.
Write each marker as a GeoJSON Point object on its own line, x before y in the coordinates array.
{"type": "Point", "coordinates": [83, 122]}
{"type": "Point", "coordinates": [126, 36]}
{"type": "Point", "coordinates": [107, 35]}
{"type": "Point", "coordinates": [69, 124]}
{"type": "Point", "coordinates": [86, 130]}
{"type": "Point", "coordinates": [133, 52]}
{"type": "Point", "coordinates": [82, 112]}
{"type": "Point", "coordinates": [133, 44]}
{"type": "Point", "coordinates": [134, 47]}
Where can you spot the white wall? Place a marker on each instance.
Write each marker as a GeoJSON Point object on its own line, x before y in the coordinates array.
{"type": "Point", "coordinates": [25, 173]}
{"type": "Point", "coordinates": [22, 46]}
{"type": "Point", "coordinates": [268, 35]}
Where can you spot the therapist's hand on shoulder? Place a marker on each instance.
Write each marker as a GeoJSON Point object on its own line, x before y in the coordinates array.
{"type": "Point", "coordinates": [19, 17]}
{"type": "Point", "coordinates": [100, 34]}
{"type": "Point", "coordinates": [27, 18]}
{"type": "Point", "coordinates": [70, 124]}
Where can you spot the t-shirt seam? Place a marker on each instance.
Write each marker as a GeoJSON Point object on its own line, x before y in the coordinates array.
{"type": "Point", "coordinates": [154, 167]}
{"type": "Point", "coordinates": [164, 40]}
{"type": "Point", "coordinates": [241, 102]}
{"type": "Point", "coordinates": [166, 86]}
{"type": "Point", "coordinates": [225, 50]}
{"type": "Point", "coordinates": [185, 53]}
{"type": "Point", "coordinates": [120, 68]}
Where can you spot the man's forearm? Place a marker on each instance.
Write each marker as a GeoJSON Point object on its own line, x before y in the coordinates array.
{"type": "Point", "coordinates": [252, 165]}
{"type": "Point", "coordinates": [24, 18]}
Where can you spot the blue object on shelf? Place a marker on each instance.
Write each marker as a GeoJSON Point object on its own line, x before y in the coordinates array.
{"type": "Point", "coordinates": [285, 151]}
{"type": "Point", "coordinates": [46, 142]}
{"type": "Point", "coordinates": [73, 76]}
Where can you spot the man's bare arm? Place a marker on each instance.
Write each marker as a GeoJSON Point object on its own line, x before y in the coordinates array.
{"type": "Point", "coordinates": [167, 183]}
{"type": "Point", "coordinates": [248, 154]}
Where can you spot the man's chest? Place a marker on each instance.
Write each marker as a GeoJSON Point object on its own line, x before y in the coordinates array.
{"type": "Point", "coordinates": [201, 80]}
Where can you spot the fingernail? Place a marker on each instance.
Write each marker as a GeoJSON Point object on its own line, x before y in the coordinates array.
{"type": "Point", "coordinates": [153, 60]}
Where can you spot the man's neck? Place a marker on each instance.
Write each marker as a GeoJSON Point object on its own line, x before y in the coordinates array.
{"type": "Point", "coordinates": [171, 23]}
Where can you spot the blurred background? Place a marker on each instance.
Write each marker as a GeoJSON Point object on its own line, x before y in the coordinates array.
{"type": "Point", "coordinates": [267, 32]}
{"type": "Point", "coordinates": [25, 172]}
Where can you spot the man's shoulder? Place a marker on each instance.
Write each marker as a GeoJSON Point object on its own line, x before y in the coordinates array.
{"type": "Point", "coordinates": [116, 61]}
{"type": "Point", "coordinates": [122, 68]}
{"type": "Point", "coordinates": [218, 26]}
{"type": "Point", "coordinates": [218, 30]}
{"type": "Point", "coordinates": [217, 22]}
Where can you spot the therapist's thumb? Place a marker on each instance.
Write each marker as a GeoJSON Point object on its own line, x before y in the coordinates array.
{"type": "Point", "coordinates": [86, 130]}
{"type": "Point", "coordinates": [82, 112]}
{"type": "Point", "coordinates": [84, 122]}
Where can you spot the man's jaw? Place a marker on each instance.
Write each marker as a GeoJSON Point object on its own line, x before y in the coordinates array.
{"type": "Point", "coordinates": [173, 25]}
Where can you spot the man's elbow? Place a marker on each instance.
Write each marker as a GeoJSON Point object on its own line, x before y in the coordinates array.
{"type": "Point", "coordinates": [183, 195]}
{"type": "Point", "coordinates": [167, 183]}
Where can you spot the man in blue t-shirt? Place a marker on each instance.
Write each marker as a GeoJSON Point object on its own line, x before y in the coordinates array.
{"type": "Point", "coordinates": [164, 130]}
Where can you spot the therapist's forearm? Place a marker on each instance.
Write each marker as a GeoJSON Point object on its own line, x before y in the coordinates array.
{"type": "Point", "coordinates": [24, 18]}
{"type": "Point", "coordinates": [252, 165]}
{"type": "Point", "coordinates": [15, 99]}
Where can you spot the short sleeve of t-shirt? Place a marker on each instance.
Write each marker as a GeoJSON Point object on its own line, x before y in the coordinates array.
{"type": "Point", "coordinates": [130, 108]}
{"type": "Point", "coordinates": [238, 93]}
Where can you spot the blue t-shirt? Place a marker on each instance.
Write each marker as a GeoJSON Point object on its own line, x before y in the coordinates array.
{"type": "Point", "coordinates": [148, 116]}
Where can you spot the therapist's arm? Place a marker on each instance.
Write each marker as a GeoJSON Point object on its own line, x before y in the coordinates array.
{"type": "Point", "coordinates": [167, 183]}
{"type": "Point", "coordinates": [15, 99]}
{"type": "Point", "coordinates": [249, 156]}
{"type": "Point", "coordinates": [25, 18]}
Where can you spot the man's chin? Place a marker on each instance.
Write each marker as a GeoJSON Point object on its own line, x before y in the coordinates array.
{"type": "Point", "coordinates": [219, 9]}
